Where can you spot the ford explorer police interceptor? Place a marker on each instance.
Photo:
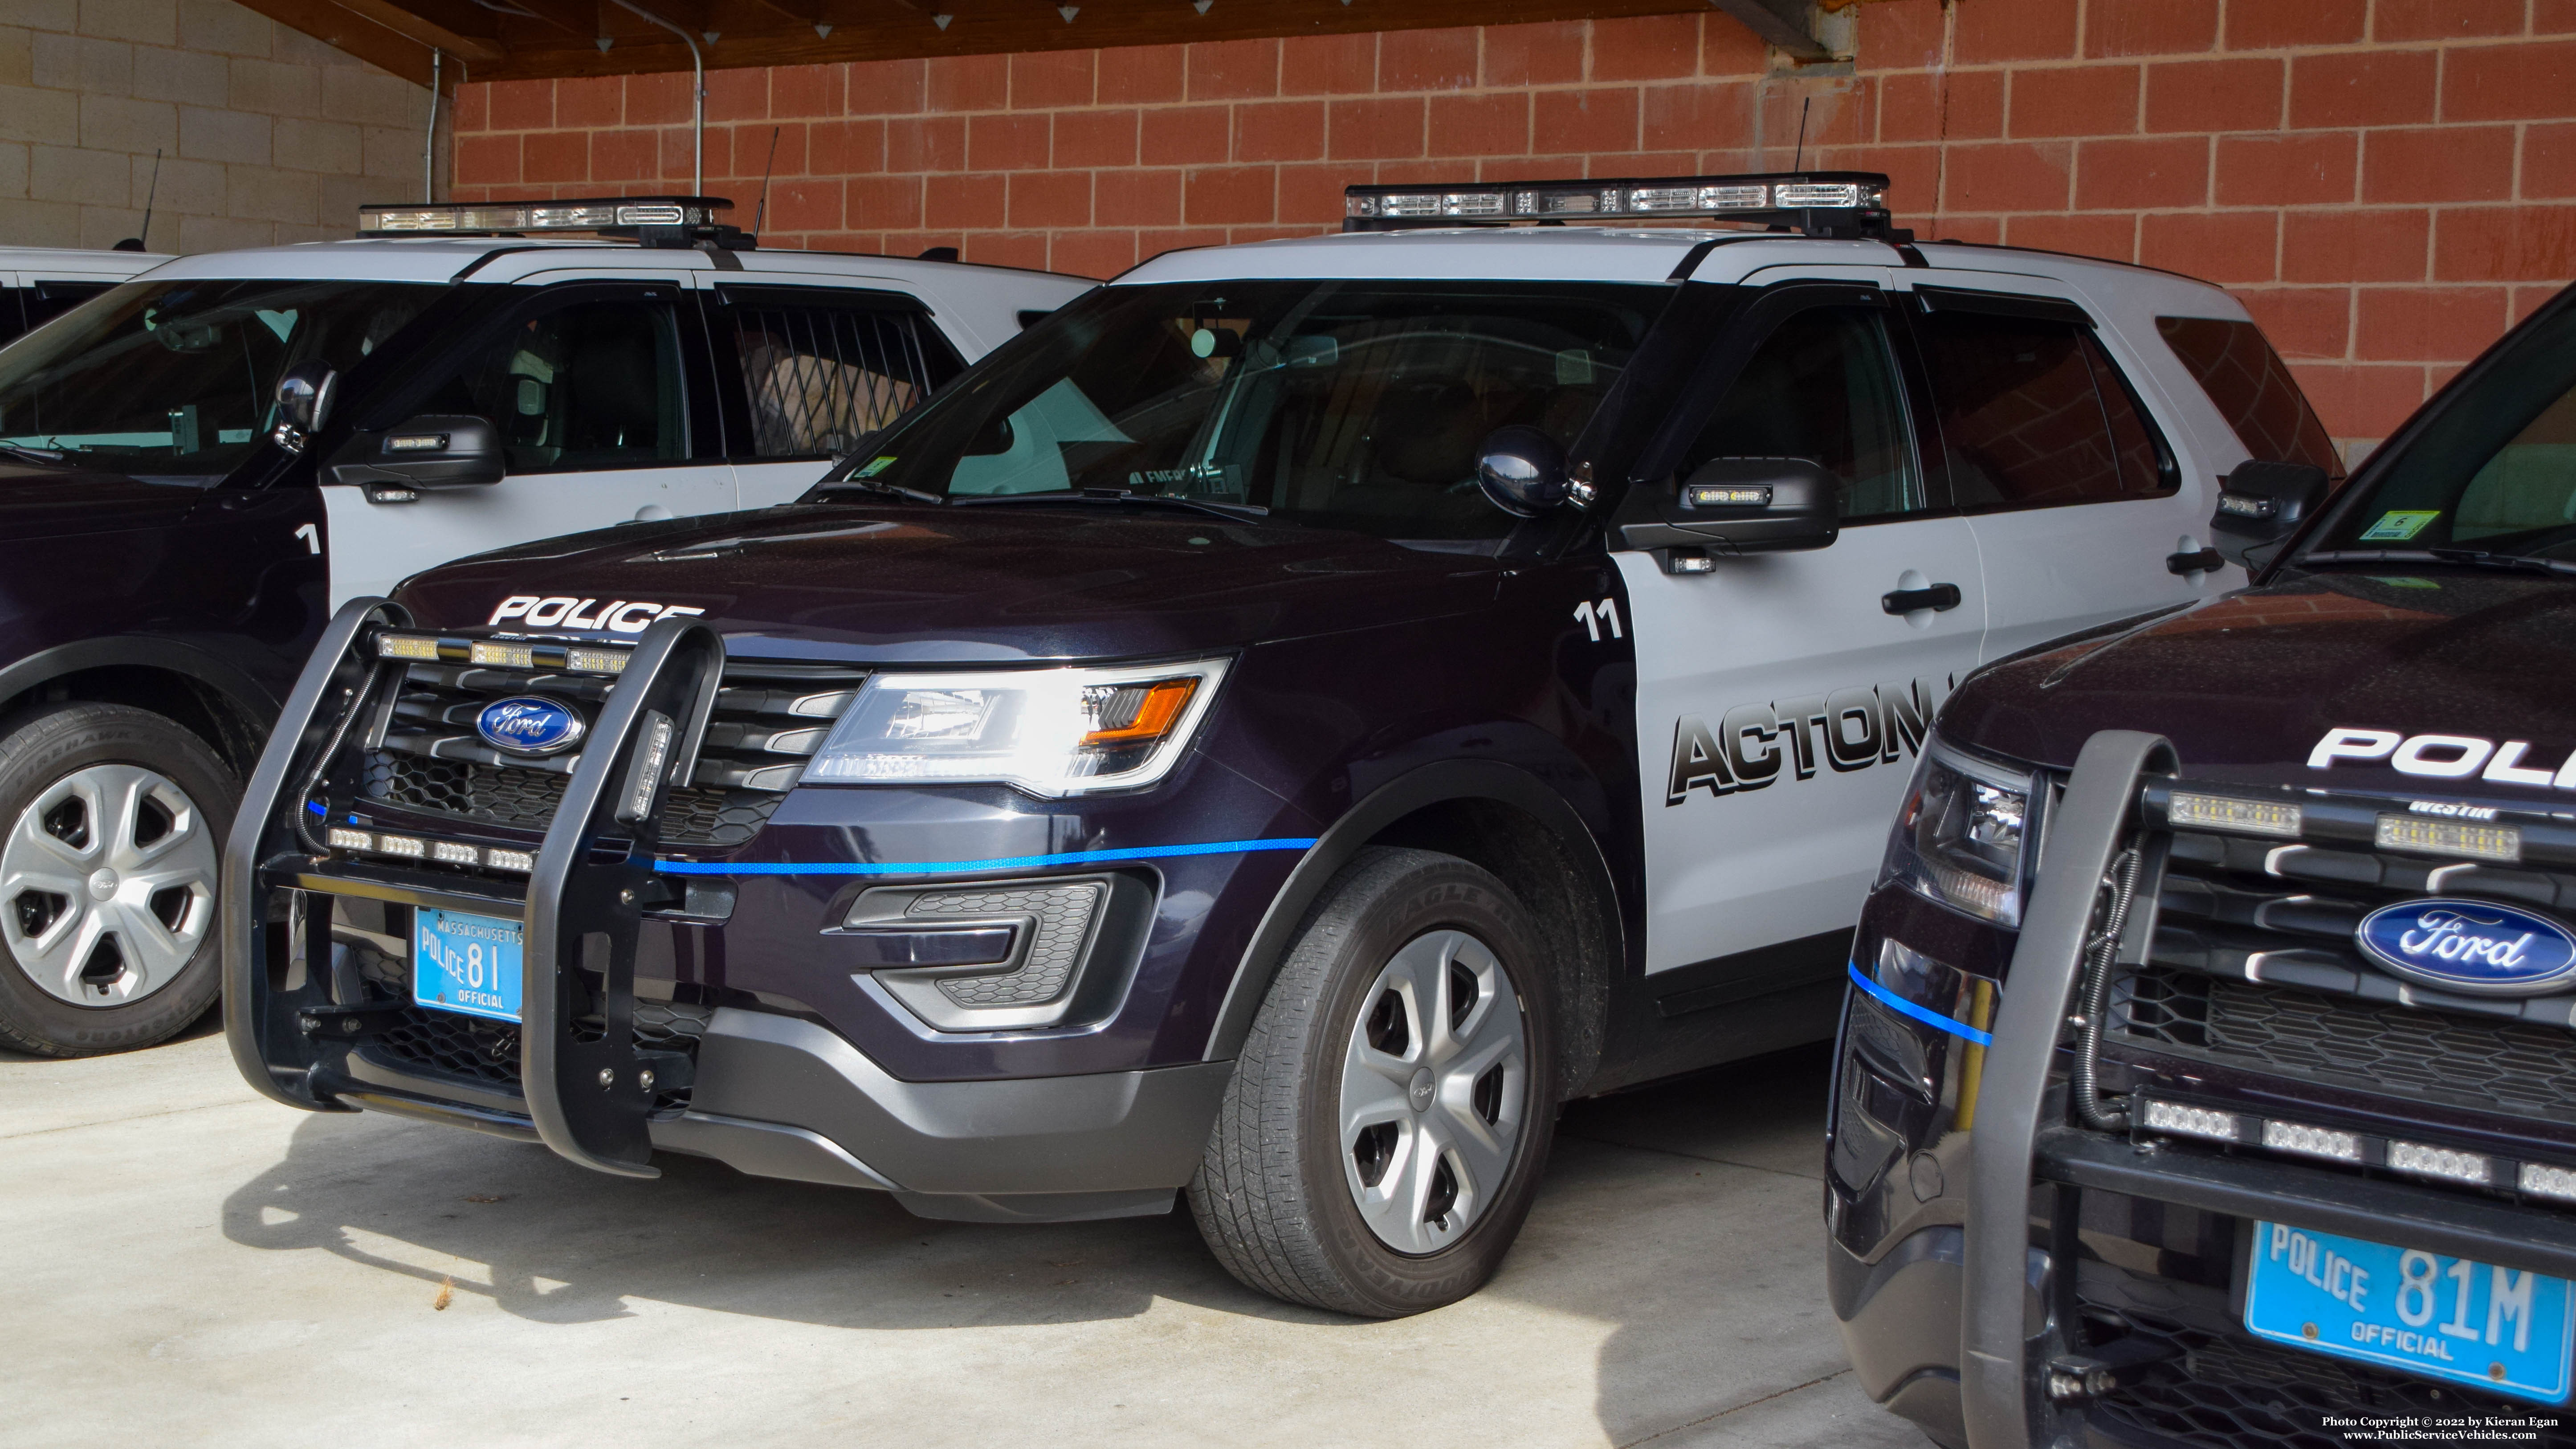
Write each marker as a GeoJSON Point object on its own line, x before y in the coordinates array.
{"type": "Point", "coordinates": [1276, 728]}
{"type": "Point", "coordinates": [2273, 1037]}
{"type": "Point", "coordinates": [197, 465]}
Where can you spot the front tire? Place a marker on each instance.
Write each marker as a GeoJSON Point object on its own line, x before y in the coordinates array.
{"type": "Point", "coordinates": [1384, 1132]}
{"type": "Point", "coordinates": [115, 821]}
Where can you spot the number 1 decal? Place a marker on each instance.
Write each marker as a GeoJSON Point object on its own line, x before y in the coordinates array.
{"type": "Point", "coordinates": [1596, 617]}
{"type": "Point", "coordinates": [312, 537]}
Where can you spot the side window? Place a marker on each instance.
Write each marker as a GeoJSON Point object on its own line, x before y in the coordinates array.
{"type": "Point", "coordinates": [12, 319]}
{"type": "Point", "coordinates": [1823, 387]}
{"type": "Point", "coordinates": [2253, 389]}
{"type": "Point", "coordinates": [820, 377]}
{"type": "Point", "coordinates": [2033, 414]}
{"type": "Point", "coordinates": [48, 300]}
{"type": "Point", "coordinates": [589, 385]}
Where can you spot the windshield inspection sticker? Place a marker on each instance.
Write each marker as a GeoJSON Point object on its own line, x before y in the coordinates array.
{"type": "Point", "coordinates": [2399, 524]}
{"type": "Point", "coordinates": [876, 465]}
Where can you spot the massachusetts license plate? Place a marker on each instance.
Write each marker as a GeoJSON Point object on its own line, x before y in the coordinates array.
{"type": "Point", "coordinates": [2504, 1330]}
{"type": "Point", "coordinates": [465, 963]}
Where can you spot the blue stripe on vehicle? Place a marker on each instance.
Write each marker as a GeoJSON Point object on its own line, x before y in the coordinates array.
{"type": "Point", "coordinates": [1923, 1014]}
{"type": "Point", "coordinates": [1007, 862]}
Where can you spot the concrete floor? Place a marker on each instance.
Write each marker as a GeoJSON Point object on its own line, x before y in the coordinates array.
{"type": "Point", "coordinates": [187, 1263]}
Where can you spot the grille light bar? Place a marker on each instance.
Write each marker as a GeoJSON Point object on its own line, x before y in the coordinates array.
{"type": "Point", "coordinates": [1832, 203]}
{"type": "Point", "coordinates": [2541, 1180]}
{"type": "Point", "coordinates": [445, 852]}
{"type": "Point", "coordinates": [503, 654]}
{"type": "Point", "coordinates": [2441, 1162]}
{"type": "Point", "coordinates": [2192, 1121]}
{"type": "Point", "coordinates": [2313, 1141]}
{"type": "Point", "coordinates": [2450, 837]}
{"type": "Point", "coordinates": [2224, 812]}
{"type": "Point", "coordinates": [591, 214]}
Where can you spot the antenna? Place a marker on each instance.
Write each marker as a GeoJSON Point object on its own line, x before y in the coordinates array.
{"type": "Point", "coordinates": [135, 243]}
{"type": "Point", "coordinates": [1800, 154]}
{"type": "Point", "coordinates": [766, 168]}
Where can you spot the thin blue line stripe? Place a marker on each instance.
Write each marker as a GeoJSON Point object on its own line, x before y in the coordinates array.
{"type": "Point", "coordinates": [1923, 1014]}
{"type": "Point", "coordinates": [1007, 862]}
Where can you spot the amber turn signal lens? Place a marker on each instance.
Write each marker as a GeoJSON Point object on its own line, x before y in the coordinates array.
{"type": "Point", "coordinates": [1155, 714]}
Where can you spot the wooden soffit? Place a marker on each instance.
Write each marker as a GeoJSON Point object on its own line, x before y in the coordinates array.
{"type": "Point", "coordinates": [529, 39]}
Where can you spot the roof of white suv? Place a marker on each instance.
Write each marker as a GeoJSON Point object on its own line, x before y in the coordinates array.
{"type": "Point", "coordinates": [69, 262]}
{"type": "Point", "coordinates": [1653, 254]}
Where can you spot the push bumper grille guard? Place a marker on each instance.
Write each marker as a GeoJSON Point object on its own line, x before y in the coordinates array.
{"type": "Point", "coordinates": [588, 1095]}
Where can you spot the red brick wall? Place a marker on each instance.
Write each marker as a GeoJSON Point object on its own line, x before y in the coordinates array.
{"type": "Point", "coordinates": [2385, 182]}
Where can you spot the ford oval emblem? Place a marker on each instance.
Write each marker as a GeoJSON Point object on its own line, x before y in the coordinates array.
{"type": "Point", "coordinates": [530, 724]}
{"type": "Point", "coordinates": [2478, 948]}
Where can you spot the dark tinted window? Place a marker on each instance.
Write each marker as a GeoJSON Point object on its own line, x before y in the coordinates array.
{"type": "Point", "coordinates": [1339, 404]}
{"type": "Point", "coordinates": [46, 301]}
{"type": "Point", "coordinates": [2253, 389]}
{"type": "Point", "coordinates": [2033, 414]}
{"type": "Point", "coordinates": [590, 385]}
{"type": "Point", "coordinates": [1823, 387]}
{"type": "Point", "coordinates": [13, 319]}
{"type": "Point", "coordinates": [820, 377]}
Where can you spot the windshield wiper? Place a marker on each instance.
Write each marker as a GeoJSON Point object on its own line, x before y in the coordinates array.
{"type": "Point", "coordinates": [1238, 512]}
{"type": "Point", "coordinates": [2476, 558]}
{"type": "Point", "coordinates": [871, 485]}
{"type": "Point", "coordinates": [41, 455]}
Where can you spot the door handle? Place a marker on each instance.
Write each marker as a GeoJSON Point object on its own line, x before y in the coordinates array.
{"type": "Point", "coordinates": [1906, 601]}
{"type": "Point", "coordinates": [2197, 561]}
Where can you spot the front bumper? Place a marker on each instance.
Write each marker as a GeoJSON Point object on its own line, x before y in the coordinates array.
{"type": "Point", "coordinates": [605, 1068]}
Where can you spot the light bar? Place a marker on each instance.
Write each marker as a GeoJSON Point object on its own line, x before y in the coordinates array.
{"type": "Point", "coordinates": [2222, 812]}
{"type": "Point", "coordinates": [2441, 1162]}
{"type": "Point", "coordinates": [1850, 203]}
{"type": "Point", "coordinates": [405, 646]}
{"type": "Point", "coordinates": [597, 661]}
{"type": "Point", "coordinates": [503, 653]}
{"type": "Point", "coordinates": [2450, 837]}
{"type": "Point", "coordinates": [2312, 1141]}
{"type": "Point", "coordinates": [445, 852]}
{"type": "Point", "coordinates": [2542, 1180]}
{"type": "Point", "coordinates": [2192, 1121]}
{"type": "Point", "coordinates": [503, 656]}
{"type": "Point", "coordinates": [592, 214]}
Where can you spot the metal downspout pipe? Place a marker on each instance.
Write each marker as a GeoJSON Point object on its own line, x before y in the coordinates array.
{"type": "Point", "coordinates": [697, 98]}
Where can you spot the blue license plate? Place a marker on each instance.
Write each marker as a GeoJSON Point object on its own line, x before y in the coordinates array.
{"type": "Point", "coordinates": [2501, 1329]}
{"type": "Point", "coordinates": [465, 963]}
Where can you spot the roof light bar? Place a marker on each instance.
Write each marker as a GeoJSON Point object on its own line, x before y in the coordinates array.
{"type": "Point", "coordinates": [1817, 203]}
{"type": "Point", "coordinates": [490, 218]}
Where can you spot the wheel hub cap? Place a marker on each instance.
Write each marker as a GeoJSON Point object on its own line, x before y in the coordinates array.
{"type": "Point", "coordinates": [1433, 1080]}
{"type": "Point", "coordinates": [107, 885]}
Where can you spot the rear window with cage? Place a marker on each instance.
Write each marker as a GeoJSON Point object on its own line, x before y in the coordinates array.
{"type": "Point", "coordinates": [823, 372]}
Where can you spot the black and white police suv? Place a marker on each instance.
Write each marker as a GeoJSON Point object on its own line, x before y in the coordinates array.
{"type": "Point", "coordinates": [195, 467]}
{"type": "Point", "coordinates": [1278, 727]}
{"type": "Point", "coordinates": [38, 284]}
{"type": "Point", "coordinates": [2210, 1071]}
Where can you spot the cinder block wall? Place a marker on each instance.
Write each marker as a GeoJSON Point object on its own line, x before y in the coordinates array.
{"type": "Point", "coordinates": [266, 135]}
{"type": "Point", "coordinates": [2385, 182]}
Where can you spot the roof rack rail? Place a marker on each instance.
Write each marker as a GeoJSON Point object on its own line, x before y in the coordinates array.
{"type": "Point", "coordinates": [673, 221]}
{"type": "Point", "coordinates": [1847, 204]}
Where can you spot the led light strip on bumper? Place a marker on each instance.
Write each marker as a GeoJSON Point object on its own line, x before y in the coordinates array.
{"type": "Point", "coordinates": [419, 848]}
{"type": "Point", "coordinates": [2357, 1149]}
{"type": "Point", "coordinates": [502, 653]}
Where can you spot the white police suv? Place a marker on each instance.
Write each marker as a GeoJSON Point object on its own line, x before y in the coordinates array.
{"type": "Point", "coordinates": [1276, 728]}
{"type": "Point", "coordinates": [197, 464]}
{"type": "Point", "coordinates": [38, 284]}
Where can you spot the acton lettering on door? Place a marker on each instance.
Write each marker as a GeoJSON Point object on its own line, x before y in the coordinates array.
{"type": "Point", "coordinates": [1849, 729]}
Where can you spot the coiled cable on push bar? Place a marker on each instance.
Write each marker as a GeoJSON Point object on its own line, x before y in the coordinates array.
{"type": "Point", "coordinates": [2093, 998]}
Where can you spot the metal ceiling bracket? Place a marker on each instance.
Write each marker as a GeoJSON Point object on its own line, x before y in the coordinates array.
{"type": "Point", "coordinates": [1788, 25]}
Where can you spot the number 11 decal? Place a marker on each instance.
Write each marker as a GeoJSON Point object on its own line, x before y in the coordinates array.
{"type": "Point", "coordinates": [1597, 617]}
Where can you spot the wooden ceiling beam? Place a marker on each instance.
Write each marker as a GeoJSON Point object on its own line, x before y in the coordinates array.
{"type": "Point", "coordinates": [465, 30]}
{"type": "Point", "coordinates": [345, 30]}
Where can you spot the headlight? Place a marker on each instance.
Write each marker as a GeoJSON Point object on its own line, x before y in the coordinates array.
{"type": "Point", "coordinates": [1959, 838]}
{"type": "Point", "coordinates": [1050, 732]}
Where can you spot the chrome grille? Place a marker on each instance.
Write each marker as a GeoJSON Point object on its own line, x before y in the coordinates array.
{"type": "Point", "coordinates": [768, 717]}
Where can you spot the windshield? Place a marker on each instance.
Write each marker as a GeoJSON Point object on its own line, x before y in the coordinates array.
{"type": "Point", "coordinates": [181, 377]}
{"type": "Point", "coordinates": [1355, 405]}
{"type": "Point", "coordinates": [2494, 471]}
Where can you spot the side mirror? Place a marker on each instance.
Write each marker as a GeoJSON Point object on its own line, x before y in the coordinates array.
{"type": "Point", "coordinates": [1737, 506]}
{"type": "Point", "coordinates": [304, 397]}
{"type": "Point", "coordinates": [433, 451]}
{"type": "Point", "coordinates": [1522, 472]}
{"type": "Point", "coordinates": [2262, 503]}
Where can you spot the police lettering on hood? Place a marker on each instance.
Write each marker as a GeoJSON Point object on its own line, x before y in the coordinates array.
{"type": "Point", "coordinates": [1849, 729]}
